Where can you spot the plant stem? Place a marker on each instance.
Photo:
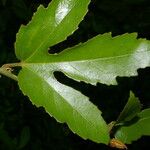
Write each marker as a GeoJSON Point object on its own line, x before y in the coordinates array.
{"type": "Point", "coordinates": [7, 73]}
{"type": "Point", "coordinates": [111, 125]}
{"type": "Point", "coordinates": [6, 70]}
{"type": "Point", "coordinates": [11, 65]}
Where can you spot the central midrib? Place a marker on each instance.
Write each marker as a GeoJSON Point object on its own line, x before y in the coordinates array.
{"type": "Point", "coordinates": [25, 63]}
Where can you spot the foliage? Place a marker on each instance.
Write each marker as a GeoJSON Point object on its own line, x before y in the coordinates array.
{"type": "Point", "coordinates": [131, 109]}
{"type": "Point", "coordinates": [67, 60]}
{"type": "Point", "coordinates": [135, 128]}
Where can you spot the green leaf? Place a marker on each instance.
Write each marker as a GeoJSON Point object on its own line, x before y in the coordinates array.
{"type": "Point", "coordinates": [100, 59]}
{"type": "Point", "coordinates": [50, 26]}
{"type": "Point", "coordinates": [135, 130]}
{"type": "Point", "coordinates": [64, 103]}
{"type": "Point", "coordinates": [131, 109]}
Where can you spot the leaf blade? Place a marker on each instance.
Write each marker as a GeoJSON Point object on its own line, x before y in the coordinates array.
{"type": "Point", "coordinates": [104, 67]}
{"type": "Point", "coordinates": [65, 105]}
{"type": "Point", "coordinates": [91, 70]}
{"type": "Point", "coordinates": [131, 109]}
{"type": "Point", "coordinates": [49, 26]}
{"type": "Point", "coordinates": [132, 132]}
{"type": "Point", "coordinates": [91, 66]}
{"type": "Point", "coordinates": [101, 59]}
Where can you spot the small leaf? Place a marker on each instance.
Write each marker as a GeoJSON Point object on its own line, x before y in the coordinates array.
{"type": "Point", "coordinates": [131, 109]}
{"type": "Point", "coordinates": [135, 130]}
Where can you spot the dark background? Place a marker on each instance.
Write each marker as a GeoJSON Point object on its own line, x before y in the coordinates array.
{"type": "Point", "coordinates": [25, 127]}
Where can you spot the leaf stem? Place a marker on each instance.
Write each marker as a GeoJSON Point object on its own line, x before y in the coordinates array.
{"type": "Point", "coordinates": [111, 125]}
{"type": "Point", "coordinates": [11, 65]}
{"type": "Point", "coordinates": [6, 70]}
{"type": "Point", "coordinates": [8, 73]}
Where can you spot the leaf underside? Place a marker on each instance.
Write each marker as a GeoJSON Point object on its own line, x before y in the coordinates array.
{"type": "Point", "coordinates": [135, 130]}
{"type": "Point", "coordinates": [100, 59]}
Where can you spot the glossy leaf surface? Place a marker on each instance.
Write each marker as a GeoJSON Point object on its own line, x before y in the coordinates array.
{"type": "Point", "coordinates": [50, 26]}
{"type": "Point", "coordinates": [135, 129]}
{"type": "Point", "coordinates": [100, 59]}
{"type": "Point", "coordinates": [36, 81]}
{"type": "Point", "coordinates": [131, 109]}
